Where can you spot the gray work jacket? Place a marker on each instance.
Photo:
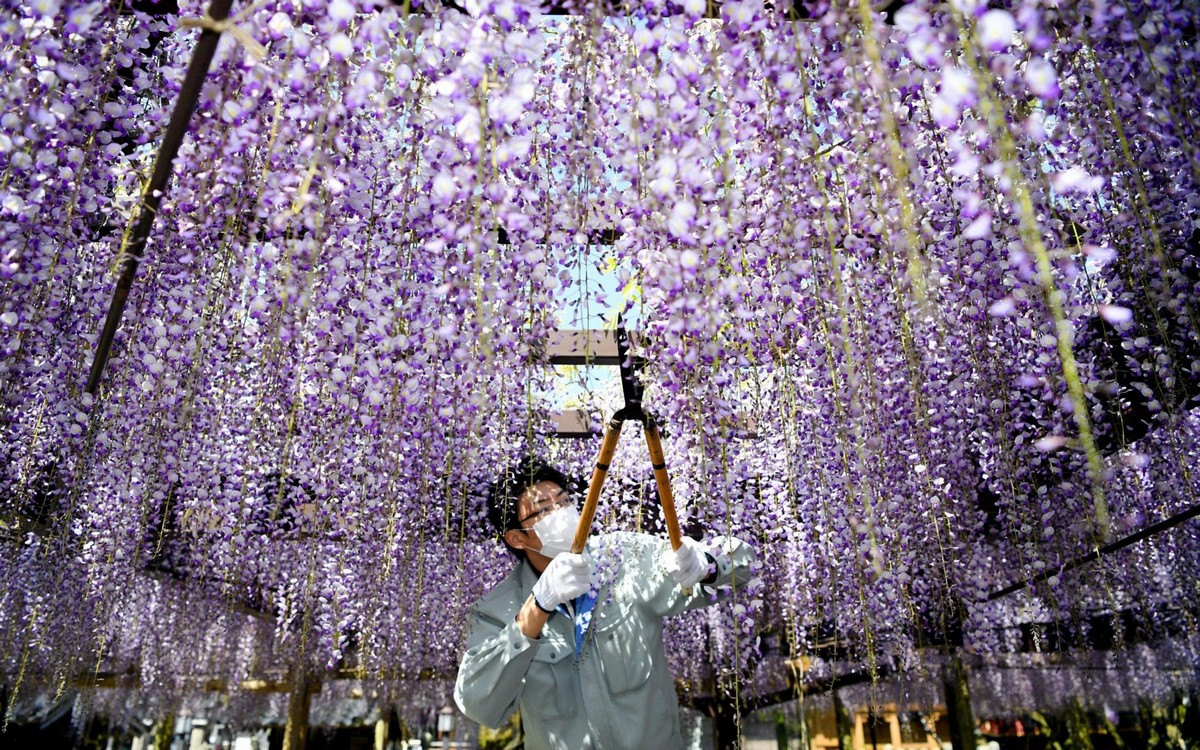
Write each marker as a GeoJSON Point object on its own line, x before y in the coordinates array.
{"type": "Point", "coordinates": [618, 693]}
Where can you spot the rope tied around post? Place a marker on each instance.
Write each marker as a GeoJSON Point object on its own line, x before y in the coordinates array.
{"type": "Point", "coordinates": [232, 26]}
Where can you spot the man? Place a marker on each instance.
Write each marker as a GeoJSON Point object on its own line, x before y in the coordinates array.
{"type": "Point", "coordinates": [575, 641]}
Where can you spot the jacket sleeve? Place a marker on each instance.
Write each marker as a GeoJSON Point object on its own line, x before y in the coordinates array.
{"type": "Point", "coordinates": [491, 675]}
{"type": "Point", "coordinates": [733, 560]}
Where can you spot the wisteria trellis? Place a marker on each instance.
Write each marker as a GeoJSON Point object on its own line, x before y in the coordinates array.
{"type": "Point", "coordinates": [906, 282]}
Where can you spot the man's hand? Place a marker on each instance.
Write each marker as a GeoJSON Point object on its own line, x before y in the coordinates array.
{"type": "Point", "coordinates": [565, 578]}
{"type": "Point", "coordinates": [689, 564]}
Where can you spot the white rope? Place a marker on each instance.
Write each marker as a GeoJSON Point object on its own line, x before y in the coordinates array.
{"type": "Point", "coordinates": [230, 25]}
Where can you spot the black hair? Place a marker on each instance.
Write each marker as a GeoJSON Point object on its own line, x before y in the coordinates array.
{"type": "Point", "coordinates": [508, 487]}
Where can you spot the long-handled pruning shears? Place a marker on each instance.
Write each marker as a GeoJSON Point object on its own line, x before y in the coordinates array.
{"type": "Point", "coordinates": [632, 388]}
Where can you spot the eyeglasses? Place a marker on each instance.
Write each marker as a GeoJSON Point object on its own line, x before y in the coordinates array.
{"type": "Point", "coordinates": [562, 501]}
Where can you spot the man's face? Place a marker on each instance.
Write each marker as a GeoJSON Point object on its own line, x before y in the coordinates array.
{"type": "Point", "coordinates": [534, 504]}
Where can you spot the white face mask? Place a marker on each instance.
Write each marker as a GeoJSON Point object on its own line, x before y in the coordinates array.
{"type": "Point", "coordinates": [557, 530]}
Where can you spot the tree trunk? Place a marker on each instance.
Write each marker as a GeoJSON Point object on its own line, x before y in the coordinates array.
{"type": "Point", "coordinates": [958, 704]}
{"type": "Point", "coordinates": [725, 726]}
{"type": "Point", "coordinates": [781, 731]}
{"type": "Point", "coordinates": [295, 736]}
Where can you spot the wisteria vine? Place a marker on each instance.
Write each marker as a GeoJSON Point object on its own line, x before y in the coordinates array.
{"type": "Point", "coordinates": [917, 289]}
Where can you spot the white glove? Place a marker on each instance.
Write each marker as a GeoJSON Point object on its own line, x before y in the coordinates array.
{"type": "Point", "coordinates": [689, 564]}
{"type": "Point", "coordinates": [565, 578]}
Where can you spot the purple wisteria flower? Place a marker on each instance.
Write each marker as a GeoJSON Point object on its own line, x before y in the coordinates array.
{"type": "Point", "coordinates": [916, 299]}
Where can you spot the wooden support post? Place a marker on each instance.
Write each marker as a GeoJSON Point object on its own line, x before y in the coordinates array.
{"type": "Point", "coordinates": [295, 736]}
{"type": "Point", "coordinates": [845, 727]}
{"type": "Point", "coordinates": [726, 734]}
{"type": "Point", "coordinates": [164, 732]}
{"type": "Point", "coordinates": [805, 734]}
{"type": "Point", "coordinates": [958, 703]}
{"type": "Point", "coordinates": [381, 733]}
{"type": "Point", "coordinates": [894, 728]}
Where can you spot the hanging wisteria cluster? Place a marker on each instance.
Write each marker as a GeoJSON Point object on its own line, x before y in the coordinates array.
{"type": "Point", "coordinates": [917, 288]}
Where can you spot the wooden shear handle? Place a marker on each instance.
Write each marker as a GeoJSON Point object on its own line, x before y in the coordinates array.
{"type": "Point", "coordinates": [659, 463]}
{"type": "Point", "coordinates": [607, 449]}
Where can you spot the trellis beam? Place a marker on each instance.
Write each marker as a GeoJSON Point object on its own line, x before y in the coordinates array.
{"type": "Point", "coordinates": [1096, 554]}
{"type": "Point", "coordinates": [574, 423]}
{"type": "Point", "coordinates": [130, 679]}
{"type": "Point", "coordinates": [797, 12]}
{"type": "Point", "coordinates": [578, 423]}
{"type": "Point", "coordinates": [584, 347]}
{"type": "Point", "coordinates": [598, 348]}
{"type": "Point", "coordinates": [133, 245]}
